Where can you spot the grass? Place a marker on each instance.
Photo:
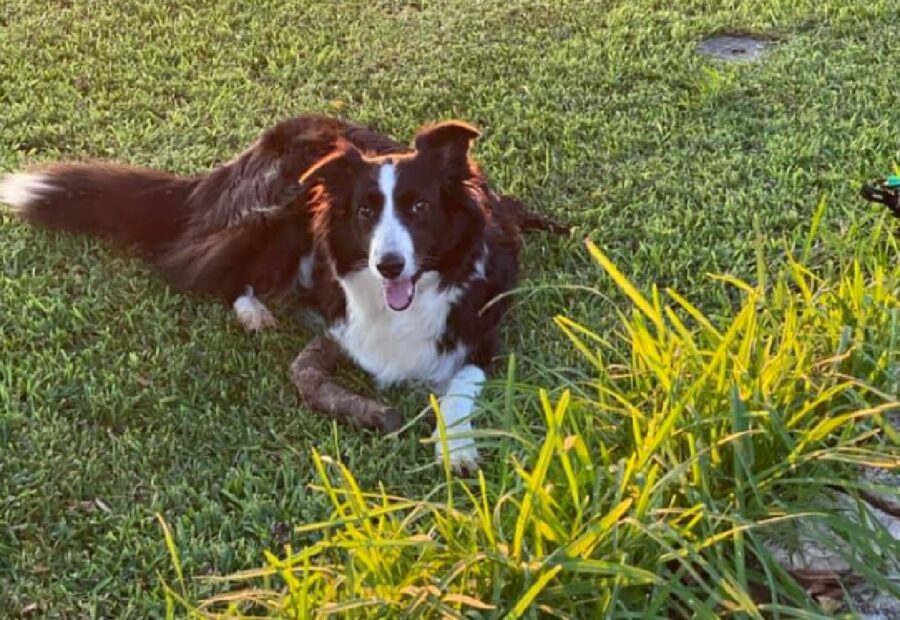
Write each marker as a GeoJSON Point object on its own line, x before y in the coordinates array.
{"type": "Point", "coordinates": [652, 490]}
{"type": "Point", "coordinates": [120, 399]}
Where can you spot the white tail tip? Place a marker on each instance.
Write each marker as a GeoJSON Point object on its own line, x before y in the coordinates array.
{"type": "Point", "coordinates": [21, 189]}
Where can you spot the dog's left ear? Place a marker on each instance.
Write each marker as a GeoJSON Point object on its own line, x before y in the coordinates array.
{"type": "Point", "coordinates": [449, 140]}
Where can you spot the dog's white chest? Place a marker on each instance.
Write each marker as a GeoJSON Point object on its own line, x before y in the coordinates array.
{"type": "Point", "coordinates": [398, 346]}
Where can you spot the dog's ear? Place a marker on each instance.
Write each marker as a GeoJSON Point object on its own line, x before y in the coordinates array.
{"type": "Point", "coordinates": [335, 169]}
{"type": "Point", "coordinates": [449, 141]}
{"type": "Point", "coordinates": [330, 181]}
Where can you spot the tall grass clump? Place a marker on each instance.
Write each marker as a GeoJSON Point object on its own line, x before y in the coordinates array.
{"type": "Point", "coordinates": [658, 478]}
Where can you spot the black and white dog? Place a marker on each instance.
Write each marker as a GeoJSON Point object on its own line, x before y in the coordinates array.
{"type": "Point", "coordinates": [400, 250]}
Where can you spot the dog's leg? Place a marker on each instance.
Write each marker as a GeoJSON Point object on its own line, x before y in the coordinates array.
{"type": "Point", "coordinates": [529, 220]}
{"type": "Point", "coordinates": [457, 404]}
{"type": "Point", "coordinates": [310, 372]}
{"type": "Point", "coordinates": [251, 313]}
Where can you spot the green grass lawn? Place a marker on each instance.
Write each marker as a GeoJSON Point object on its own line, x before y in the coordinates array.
{"type": "Point", "coordinates": [120, 399]}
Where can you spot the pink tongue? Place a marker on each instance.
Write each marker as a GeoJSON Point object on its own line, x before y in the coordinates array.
{"type": "Point", "coordinates": [399, 293]}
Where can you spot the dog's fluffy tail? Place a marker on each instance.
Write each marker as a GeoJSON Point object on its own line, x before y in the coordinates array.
{"type": "Point", "coordinates": [140, 208]}
{"type": "Point", "coordinates": [203, 234]}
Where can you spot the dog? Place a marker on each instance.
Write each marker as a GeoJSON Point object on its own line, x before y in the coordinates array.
{"type": "Point", "coordinates": [405, 252]}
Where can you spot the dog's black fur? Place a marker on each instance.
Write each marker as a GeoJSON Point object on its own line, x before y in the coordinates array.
{"type": "Point", "coordinates": [306, 187]}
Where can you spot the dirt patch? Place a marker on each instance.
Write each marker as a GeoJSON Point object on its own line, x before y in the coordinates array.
{"type": "Point", "coordinates": [734, 48]}
{"type": "Point", "coordinates": [815, 556]}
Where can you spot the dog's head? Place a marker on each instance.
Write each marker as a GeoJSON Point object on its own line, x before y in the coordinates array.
{"type": "Point", "coordinates": [398, 216]}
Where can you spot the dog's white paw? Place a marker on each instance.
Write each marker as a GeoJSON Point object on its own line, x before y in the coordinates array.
{"type": "Point", "coordinates": [457, 406]}
{"type": "Point", "coordinates": [463, 454]}
{"type": "Point", "coordinates": [251, 313]}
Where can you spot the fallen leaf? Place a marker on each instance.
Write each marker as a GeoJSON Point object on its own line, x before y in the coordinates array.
{"type": "Point", "coordinates": [828, 605]}
{"type": "Point", "coordinates": [102, 505]}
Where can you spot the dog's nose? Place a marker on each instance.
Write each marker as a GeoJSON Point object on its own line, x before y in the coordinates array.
{"type": "Point", "coordinates": [390, 266]}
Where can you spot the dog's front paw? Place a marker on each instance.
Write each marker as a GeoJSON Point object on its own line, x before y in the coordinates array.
{"type": "Point", "coordinates": [463, 455]}
{"type": "Point", "coordinates": [251, 314]}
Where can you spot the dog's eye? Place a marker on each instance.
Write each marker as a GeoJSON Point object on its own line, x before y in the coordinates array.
{"type": "Point", "coordinates": [364, 211]}
{"type": "Point", "coordinates": [419, 207]}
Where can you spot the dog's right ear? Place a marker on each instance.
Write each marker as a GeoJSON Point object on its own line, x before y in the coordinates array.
{"type": "Point", "coordinates": [331, 180]}
{"type": "Point", "coordinates": [335, 169]}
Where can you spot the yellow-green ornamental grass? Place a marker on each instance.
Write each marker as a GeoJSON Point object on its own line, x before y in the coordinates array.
{"type": "Point", "coordinates": [654, 483]}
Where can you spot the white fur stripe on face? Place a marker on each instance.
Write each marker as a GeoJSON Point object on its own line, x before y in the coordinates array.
{"type": "Point", "coordinates": [390, 236]}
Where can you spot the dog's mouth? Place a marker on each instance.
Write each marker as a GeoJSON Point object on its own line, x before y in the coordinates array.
{"type": "Point", "coordinates": [399, 292]}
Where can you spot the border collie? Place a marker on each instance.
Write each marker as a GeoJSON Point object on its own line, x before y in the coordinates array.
{"type": "Point", "coordinates": [400, 250]}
